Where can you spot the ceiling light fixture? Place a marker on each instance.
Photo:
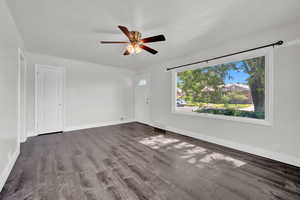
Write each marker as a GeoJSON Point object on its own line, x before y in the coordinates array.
{"type": "Point", "coordinates": [136, 42]}
{"type": "Point", "coordinates": [130, 49]}
{"type": "Point", "coordinates": [138, 49]}
{"type": "Point", "coordinates": [134, 48]}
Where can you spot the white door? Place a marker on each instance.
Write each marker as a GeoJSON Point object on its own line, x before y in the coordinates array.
{"type": "Point", "coordinates": [49, 99]}
{"type": "Point", "coordinates": [142, 98]}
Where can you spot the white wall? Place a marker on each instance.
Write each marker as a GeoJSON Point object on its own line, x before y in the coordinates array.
{"type": "Point", "coordinates": [10, 41]}
{"type": "Point", "coordinates": [95, 94]}
{"type": "Point", "coordinates": [280, 141]}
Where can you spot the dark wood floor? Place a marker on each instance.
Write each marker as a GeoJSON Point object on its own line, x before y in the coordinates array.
{"type": "Point", "coordinates": [132, 162]}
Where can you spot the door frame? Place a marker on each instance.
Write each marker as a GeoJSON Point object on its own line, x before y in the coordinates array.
{"type": "Point", "coordinates": [63, 70]}
{"type": "Point", "coordinates": [22, 107]}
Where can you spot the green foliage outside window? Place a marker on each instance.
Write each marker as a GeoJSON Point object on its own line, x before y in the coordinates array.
{"type": "Point", "coordinates": [217, 90]}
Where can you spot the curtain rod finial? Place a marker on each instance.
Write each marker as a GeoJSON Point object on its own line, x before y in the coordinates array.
{"type": "Point", "coordinates": [279, 42]}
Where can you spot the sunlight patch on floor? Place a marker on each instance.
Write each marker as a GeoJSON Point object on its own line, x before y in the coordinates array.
{"type": "Point", "coordinates": [155, 142]}
{"type": "Point", "coordinates": [188, 153]}
{"type": "Point", "coordinates": [218, 156]}
{"type": "Point", "coordinates": [183, 145]}
{"type": "Point", "coordinates": [193, 154]}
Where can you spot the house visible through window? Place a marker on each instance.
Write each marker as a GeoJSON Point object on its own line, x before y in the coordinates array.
{"type": "Point", "coordinates": [231, 89]}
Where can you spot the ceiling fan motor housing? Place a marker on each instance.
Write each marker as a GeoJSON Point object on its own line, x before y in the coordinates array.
{"type": "Point", "coordinates": [135, 36]}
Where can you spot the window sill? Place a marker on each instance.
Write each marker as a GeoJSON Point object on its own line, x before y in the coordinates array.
{"type": "Point", "coordinates": [223, 117]}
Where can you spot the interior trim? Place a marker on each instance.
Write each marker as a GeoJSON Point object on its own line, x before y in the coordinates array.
{"type": "Point", "coordinates": [284, 158]}
{"type": "Point", "coordinates": [268, 53]}
{"type": "Point", "coordinates": [22, 103]}
{"type": "Point", "coordinates": [11, 162]}
{"type": "Point", "coordinates": [100, 124]}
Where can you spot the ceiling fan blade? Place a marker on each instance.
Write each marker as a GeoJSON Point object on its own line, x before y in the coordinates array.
{"type": "Point", "coordinates": [113, 42]}
{"type": "Point", "coordinates": [126, 53]}
{"type": "Point", "coordinates": [125, 31]}
{"type": "Point", "coordinates": [146, 48]}
{"type": "Point", "coordinates": [157, 38]}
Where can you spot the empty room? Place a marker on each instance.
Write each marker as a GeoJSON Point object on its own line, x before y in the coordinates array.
{"type": "Point", "coordinates": [149, 100]}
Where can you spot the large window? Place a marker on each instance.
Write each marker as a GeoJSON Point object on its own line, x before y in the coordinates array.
{"type": "Point", "coordinates": [235, 89]}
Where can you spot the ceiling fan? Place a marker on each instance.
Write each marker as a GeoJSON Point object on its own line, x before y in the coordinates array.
{"type": "Point", "coordinates": [136, 42]}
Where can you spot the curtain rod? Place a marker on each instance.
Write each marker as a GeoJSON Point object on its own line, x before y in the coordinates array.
{"type": "Point", "coordinates": [232, 54]}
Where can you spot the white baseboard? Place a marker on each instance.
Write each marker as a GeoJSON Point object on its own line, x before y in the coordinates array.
{"type": "Point", "coordinates": [241, 147]}
{"type": "Point", "coordinates": [24, 139]}
{"type": "Point", "coordinates": [74, 128]}
{"type": "Point", "coordinates": [30, 134]}
{"type": "Point", "coordinates": [11, 162]}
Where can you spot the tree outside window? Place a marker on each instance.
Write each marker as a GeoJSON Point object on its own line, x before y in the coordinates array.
{"type": "Point", "coordinates": [233, 89]}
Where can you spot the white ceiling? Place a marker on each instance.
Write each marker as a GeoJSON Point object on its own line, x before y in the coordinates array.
{"type": "Point", "coordinates": [73, 28]}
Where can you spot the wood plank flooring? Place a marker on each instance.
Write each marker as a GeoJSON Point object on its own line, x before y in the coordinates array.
{"type": "Point", "coordinates": [133, 162]}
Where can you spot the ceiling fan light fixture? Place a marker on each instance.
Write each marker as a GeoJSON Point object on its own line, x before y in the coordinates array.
{"type": "Point", "coordinates": [130, 49]}
{"type": "Point", "coordinates": [136, 42]}
{"type": "Point", "coordinates": [138, 49]}
{"type": "Point", "coordinates": [134, 49]}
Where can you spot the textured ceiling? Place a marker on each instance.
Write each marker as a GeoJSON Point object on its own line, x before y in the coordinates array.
{"type": "Point", "coordinates": [73, 28]}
